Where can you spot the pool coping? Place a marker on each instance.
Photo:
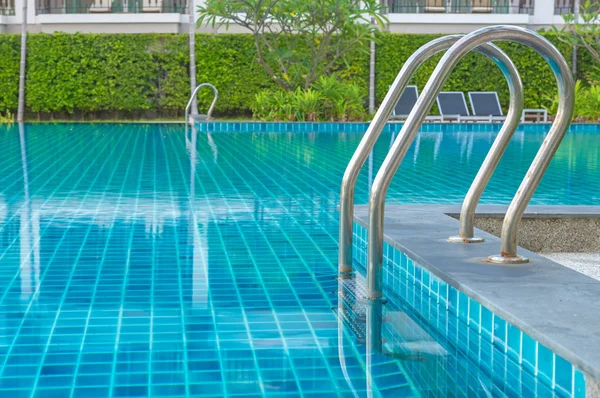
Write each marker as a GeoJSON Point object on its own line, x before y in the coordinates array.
{"type": "Point", "coordinates": [565, 318]}
{"type": "Point", "coordinates": [534, 211]}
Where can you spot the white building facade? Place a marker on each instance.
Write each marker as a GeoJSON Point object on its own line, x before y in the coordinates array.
{"type": "Point", "coordinates": [169, 16]}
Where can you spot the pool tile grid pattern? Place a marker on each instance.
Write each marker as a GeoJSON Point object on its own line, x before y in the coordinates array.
{"type": "Point", "coordinates": [26, 332]}
{"type": "Point", "coordinates": [386, 377]}
{"type": "Point", "coordinates": [113, 315]}
{"type": "Point", "coordinates": [502, 350]}
{"type": "Point", "coordinates": [316, 127]}
{"type": "Point", "coordinates": [125, 291]}
{"type": "Point", "coordinates": [448, 158]}
{"type": "Point", "coordinates": [276, 300]}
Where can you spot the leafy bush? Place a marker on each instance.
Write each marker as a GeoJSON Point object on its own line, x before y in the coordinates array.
{"type": "Point", "coordinates": [587, 103]}
{"type": "Point", "coordinates": [328, 99]}
{"type": "Point", "coordinates": [333, 96]}
{"type": "Point", "coordinates": [588, 106]}
{"type": "Point", "coordinates": [90, 73]}
{"type": "Point", "coordinates": [9, 118]}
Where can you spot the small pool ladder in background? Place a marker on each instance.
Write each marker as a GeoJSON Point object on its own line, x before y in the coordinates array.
{"type": "Point", "coordinates": [191, 118]}
{"type": "Point", "coordinates": [194, 115]}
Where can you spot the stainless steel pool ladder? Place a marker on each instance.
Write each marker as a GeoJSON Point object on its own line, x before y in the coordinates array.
{"type": "Point", "coordinates": [197, 116]}
{"type": "Point", "coordinates": [508, 252]}
{"type": "Point", "coordinates": [383, 114]}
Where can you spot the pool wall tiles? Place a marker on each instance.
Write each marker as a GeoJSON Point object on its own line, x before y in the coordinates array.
{"type": "Point", "coordinates": [486, 331]}
{"type": "Point", "coordinates": [316, 127]}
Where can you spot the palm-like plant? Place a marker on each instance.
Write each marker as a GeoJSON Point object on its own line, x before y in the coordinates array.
{"type": "Point", "coordinates": [307, 103]}
{"type": "Point", "coordinates": [262, 105]}
{"type": "Point", "coordinates": [332, 91]}
{"type": "Point", "coordinates": [329, 99]}
{"type": "Point", "coordinates": [356, 103]}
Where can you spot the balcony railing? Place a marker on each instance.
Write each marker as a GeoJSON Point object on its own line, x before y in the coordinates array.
{"type": "Point", "coordinates": [110, 6]}
{"type": "Point", "coordinates": [562, 7]}
{"type": "Point", "coordinates": [461, 6]}
{"type": "Point", "coordinates": [7, 7]}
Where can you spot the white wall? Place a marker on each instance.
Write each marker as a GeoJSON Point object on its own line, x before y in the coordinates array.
{"type": "Point", "coordinates": [543, 17]}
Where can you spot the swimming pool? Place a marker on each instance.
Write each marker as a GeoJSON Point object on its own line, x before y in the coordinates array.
{"type": "Point", "coordinates": [126, 269]}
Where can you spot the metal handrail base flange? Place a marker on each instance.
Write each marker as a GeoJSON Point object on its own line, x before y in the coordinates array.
{"type": "Point", "coordinates": [465, 239]}
{"type": "Point", "coordinates": [500, 259]}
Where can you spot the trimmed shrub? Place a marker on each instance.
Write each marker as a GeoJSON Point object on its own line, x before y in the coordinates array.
{"type": "Point", "coordinates": [9, 72]}
{"type": "Point", "coordinates": [128, 74]}
{"type": "Point", "coordinates": [89, 73]}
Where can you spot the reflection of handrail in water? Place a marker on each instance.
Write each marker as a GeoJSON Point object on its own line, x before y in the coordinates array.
{"type": "Point", "coordinates": [29, 232]}
{"type": "Point", "coordinates": [438, 144]}
{"type": "Point", "coordinates": [213, 146]}
{"type": "Point", "coordinates": [191, 146]}
{"type": "Point", "coordinates": [374, 330]}
{"type": "Point", "coordinates": [341, 355]}
{"type": "Point", "coordinates": [416, 154]}
{"type": "Point", "coordinates": [485, 389]}
{"type": "Point", "coordinates": [200, 284]}
{"type": "Point", "coordinates": [374, 338]}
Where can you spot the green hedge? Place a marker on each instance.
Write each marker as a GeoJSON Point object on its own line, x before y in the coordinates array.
{"type": "Point", "coordinates": [9, 72]}
{"type": "Point", "coordinates": [91, 73]}
{"type": "Point", "coordinates": [128, 74]}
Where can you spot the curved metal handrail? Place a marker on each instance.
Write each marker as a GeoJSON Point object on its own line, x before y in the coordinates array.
{"type": "Point", "coordinates": [212, 105]}
{"type": "Point", "coordinates": [417, 115]}
{"type": "Point", "coordinates": [381, 118]}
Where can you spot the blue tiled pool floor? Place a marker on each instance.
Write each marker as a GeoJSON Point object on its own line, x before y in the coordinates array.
{"type": "Point", "coordinates": [133, 266]}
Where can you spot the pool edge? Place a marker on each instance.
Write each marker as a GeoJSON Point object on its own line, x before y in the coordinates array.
{"type": "Point", "coordinates": [420, 231]}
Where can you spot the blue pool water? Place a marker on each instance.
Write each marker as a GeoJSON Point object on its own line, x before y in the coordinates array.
{"type": "Point", "coordinates": [133, 265]}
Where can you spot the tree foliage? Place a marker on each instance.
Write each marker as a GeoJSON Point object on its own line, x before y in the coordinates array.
{"type": "Point", "coordinates": [583, 31]}
{"type": "Point", "coordinates": [297, 41]}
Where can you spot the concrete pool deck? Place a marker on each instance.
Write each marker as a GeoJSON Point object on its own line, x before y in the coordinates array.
{"type": "Point", "coordinates": [551, 303]}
